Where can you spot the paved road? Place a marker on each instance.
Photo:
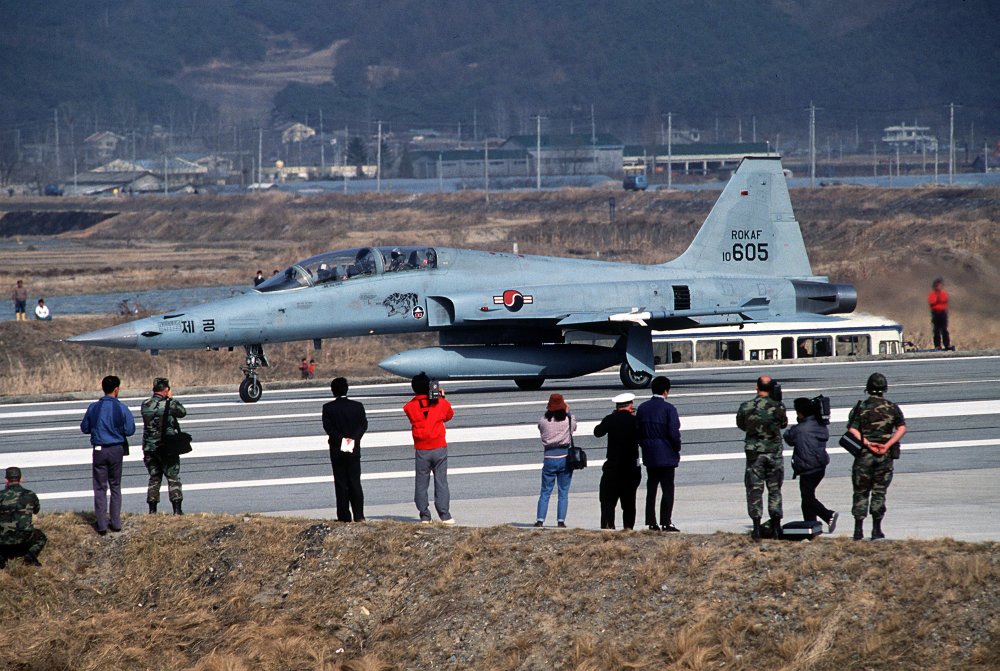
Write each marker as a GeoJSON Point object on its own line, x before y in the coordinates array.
{"type": "Point", "coordinates": [271, 457]}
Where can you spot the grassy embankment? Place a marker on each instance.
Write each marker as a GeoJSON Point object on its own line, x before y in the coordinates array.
{"type": "Point", "coordinates": [888, 243]}
{"type": "Point", "coordinates": [224, 593]}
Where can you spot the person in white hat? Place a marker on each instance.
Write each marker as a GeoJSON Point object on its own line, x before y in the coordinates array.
{"type": "Point", "coordinates": [621, 473]}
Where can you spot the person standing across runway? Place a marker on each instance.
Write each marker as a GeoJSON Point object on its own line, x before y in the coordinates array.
{"type": "Point", "coordinates": [345, 422]}
{"type": "Point", "coordinates": [659, 431]}
{"type": "Point", "coordinates": [109, 423]}
{"type": "Point", "coordinates": [428, 413]}
{"type": "Point", "coordinates": [159, 417]}
{"type": "Point", "coordinates": [880, 425]}
{"type": "Point", "coordinates": [763, 418]}
{"type": "Point", "coordinates": [808, 439]}
{"type": "Point", "coordinates": [621, 473]}
{"type": "Point", "coordinates": [938, 301]}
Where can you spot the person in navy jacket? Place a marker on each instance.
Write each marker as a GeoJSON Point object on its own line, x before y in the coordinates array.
{"type": "Point", "coordinates": [660, 440]}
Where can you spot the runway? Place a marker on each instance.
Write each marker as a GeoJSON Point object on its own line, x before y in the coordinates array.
{"type": "Point", "coordinates": [271, 457]}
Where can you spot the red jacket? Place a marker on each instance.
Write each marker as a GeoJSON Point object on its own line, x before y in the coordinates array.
{"type": "Point", "coordinates": [427, 420]}
{"type": "Point", "coordinates": [938, 301]}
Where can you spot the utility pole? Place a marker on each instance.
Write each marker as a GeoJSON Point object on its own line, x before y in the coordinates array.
{"type": "Point", "coordinates": [322, 146]}
{"type": "Point", "coordinates": [440, 175]}
{"type": "Point", "coordinates": [670, 150]}
{"type": "Point", "coordinates": [739, 133]}
{"type": "Point", "coordinates": [753, 120]}
{"type": "Point", "coordinates": [166, 178]}
{"type": "Point", "coordinates": [58, 163]}
{"type": "Point", "coordinates": [875, 161]}
{"type": "Point", "coordinates": [812, 144]}
{"type": "Point", "coordinates": [347, 135]}
{"type": "Point", "coordinates": [951, 144]}
{"type": "Point", "coordinates": [378, 160]}
{"type": "Point", "coordinates": [538, 152]}
{"type": "Point", "coordinates": [486, 169]}
{"type": "Point", "coordinates": [260, 156]}
{"type": "Point", "coordinates": [475, 123]}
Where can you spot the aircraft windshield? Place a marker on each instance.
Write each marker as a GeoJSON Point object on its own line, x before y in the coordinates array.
{"type": "Point", "coordinates": [348, 264]}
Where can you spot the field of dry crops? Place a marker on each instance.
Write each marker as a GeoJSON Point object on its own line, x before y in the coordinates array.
{"type": "Point", "coordinates": [218, 593]}
{"type": "Point", "coordinates": [890, 244]}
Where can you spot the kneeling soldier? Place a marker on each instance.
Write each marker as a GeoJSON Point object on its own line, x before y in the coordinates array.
{"type": "Point", "coordinates": [18, 536]}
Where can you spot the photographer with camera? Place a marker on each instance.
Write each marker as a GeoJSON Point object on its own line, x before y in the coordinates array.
{"type": "Point", "coordinates": [808, 439]}
{"type": "Point", "coordinates": [428, 411]}
{"type": "Point", "coordinates": [159, 418]}
{"type": "Point", "coordinates": [763, 418]}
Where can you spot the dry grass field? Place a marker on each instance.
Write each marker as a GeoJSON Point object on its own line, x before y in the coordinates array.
{"type": "Point", "coordinates": [890, 244]}
{"type": "Point", "coordinates": [224, 593]}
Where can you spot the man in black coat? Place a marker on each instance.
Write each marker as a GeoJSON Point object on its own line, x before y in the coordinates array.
{"type": "Point", "coordinates": [809, 460]}
{"type": "Point", "coordinates": [345, 423]}
{"type": "Point", "coordinates": [621, 473]}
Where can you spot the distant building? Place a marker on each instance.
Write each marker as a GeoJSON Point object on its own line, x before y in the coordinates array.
{"type": "Point", "coordinates": [96, 183]}
{"type": "Point", "coordinates": [913, 138]}
{"type": "Point", "coordinates": [102, 145]}
{"type": "Point", "coordinates": [582, 154]}
{"type": "Point", "coordinates": [469, 163]}
{"type": "Point", "coordinates": [296, 132]}
{"type": "Point", "coordinates": [175, 170]}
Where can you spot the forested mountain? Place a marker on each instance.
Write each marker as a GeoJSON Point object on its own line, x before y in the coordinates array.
{"type": "Point", "coordinates": [496, 64]}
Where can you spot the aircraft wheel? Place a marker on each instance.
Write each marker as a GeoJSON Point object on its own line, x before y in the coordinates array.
{"type": "Point", "coordinates": [529, 383]}
{"type": "Point", "coordinates": [634, 379]}
{"type": "Point", "coordinates": [251, 390]}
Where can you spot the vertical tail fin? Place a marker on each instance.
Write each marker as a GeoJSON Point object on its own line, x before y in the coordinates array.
{"type": "Point", "coordinates": [751, 230]}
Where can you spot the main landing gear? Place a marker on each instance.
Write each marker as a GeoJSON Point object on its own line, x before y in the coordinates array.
{"type": "Point", "coordinates": [633, 379]}
{"type": "Point", "coordinates": [251, 389]}
{"type": "Point", "coordinates": [529, 383]}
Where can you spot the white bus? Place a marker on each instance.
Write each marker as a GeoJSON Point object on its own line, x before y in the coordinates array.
{"type": "Point", "coordinates": [857, 335]}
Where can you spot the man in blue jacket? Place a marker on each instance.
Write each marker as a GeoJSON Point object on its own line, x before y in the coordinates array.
{"type": "Point", "coordinates": [109, 422]}
{"type": "Point", "coordinates": [660, 439]}
{"type": "Point", "coordinates": [808, 439]}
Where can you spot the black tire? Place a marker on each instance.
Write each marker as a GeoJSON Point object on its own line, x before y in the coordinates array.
{"type": "Point", "coordinates": [529, 383]}
{"type": "Point", "coordinates": [632, 379]}
{"type": "Point", "coordinates": [251, 390]}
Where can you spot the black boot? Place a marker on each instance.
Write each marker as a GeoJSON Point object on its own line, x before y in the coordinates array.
{"type": "Point", "coordinates": [31, 559]}
{"type": "Point", "coordinates": [152, 507]}
{"type": "Point", "coordinates": [859, 528]}
{"type": "Point", "coordinates": [3, 562]}
{"type": "Point", "coordinates": [877, 528]}
{"type": "Point", "coordinates": [177, 508]}
{"type": "Point", "coordinates": [776, 528]}
{"type": "Point", "coordinates": [755, 534]}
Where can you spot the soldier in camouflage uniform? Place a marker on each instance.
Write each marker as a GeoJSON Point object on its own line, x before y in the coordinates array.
{"type": "Point", "coordinates": [762, 419]}
{"type": "Point", "coordinates": [18, 536]}
{"type": "Point", "coordinates": [157, 424]}
{"type": "Point", "coordinates": [880, 424]}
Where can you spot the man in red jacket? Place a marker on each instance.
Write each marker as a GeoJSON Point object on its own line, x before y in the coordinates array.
{"type": "Point", "coordinates": [427, 416]}
{"type": "Point", "coordinates": [938, 300]}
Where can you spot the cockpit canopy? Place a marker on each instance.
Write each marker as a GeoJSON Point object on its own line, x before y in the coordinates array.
{"type": "Point", "coordinates": [344, 265]}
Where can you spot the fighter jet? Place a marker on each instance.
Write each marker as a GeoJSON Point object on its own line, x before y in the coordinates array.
{"type": "Point", "coordinates": [518, 317]}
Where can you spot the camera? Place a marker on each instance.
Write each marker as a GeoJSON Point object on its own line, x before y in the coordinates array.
{"type": "Point", "coordinates": [435, 392]}
{"type": "Point", "coordinates": [821, 409]}
{"type": "Point", "coordinates": [775, 391]}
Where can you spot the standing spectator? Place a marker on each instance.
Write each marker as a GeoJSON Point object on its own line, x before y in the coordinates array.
{"type": "Point", "coordinates": [312, 369]}
{"type": "Point", "coordinates": [42, 311]}
{"type": "Point", "coordinates": [880, 425]}
{"type": "Point", "coordinates": [762, 419]}
{"type": "Point", "coordinates": [258, 279]}
{"type": "Point", "coordinates": [556, 428]}
{"type": "Point", "coordinates": [159, 418]}
{"type": "Point", "coordinates": [345, 423]}
{"type": "Point", "coordinates": [808, 439]}
{"type": "Point", "coordinates": [427, 417]}
{"type": "Point", "coordinates": [109, 423]}
{"type": "Point", "coordinates": [304, 368]}
{"type": "Point", "coordinates": [621, 473]}
{"type": "Point", "coordinates": [938, 300]}
{"type": "Point", "coordinates": [660, 438]}
{"type": "Point", "coordinates": [18, 536]}
{"type": "Point", "coordinates": [20, 297]}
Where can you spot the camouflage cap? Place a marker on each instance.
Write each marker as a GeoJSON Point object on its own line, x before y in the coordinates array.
{"type": "Point", "coordinates": [13, 473]}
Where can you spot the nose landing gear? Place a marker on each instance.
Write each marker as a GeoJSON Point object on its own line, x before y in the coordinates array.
{"type": "Point", "coordinates": [251, 389]}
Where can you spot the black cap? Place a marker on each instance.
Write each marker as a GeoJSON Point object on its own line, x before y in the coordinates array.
{"type": "Point", "coordinates": [13, 473]}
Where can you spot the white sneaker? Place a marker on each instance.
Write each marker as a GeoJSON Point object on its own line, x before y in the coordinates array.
{"type": "Point", "coordinates": [450, 520]}
{"type": "Point", "coordinates": [425, 521]}
{"type": "Point", "coordinates": [832, 524]}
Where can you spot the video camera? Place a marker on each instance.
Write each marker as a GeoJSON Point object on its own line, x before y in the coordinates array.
{"type": "Point", "coordinates": [821, 409]}
{"type": "Point", "coordinates": [775, 391]}
{"type": "Point", "coordinates": [434, 393]}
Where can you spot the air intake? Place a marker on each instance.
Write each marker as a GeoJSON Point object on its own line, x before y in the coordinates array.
{"type": "Point", "coordinates": [682, 297]}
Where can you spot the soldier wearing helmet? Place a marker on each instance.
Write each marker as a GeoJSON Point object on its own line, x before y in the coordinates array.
{"type": "Point", "coordinates": [879, 424]}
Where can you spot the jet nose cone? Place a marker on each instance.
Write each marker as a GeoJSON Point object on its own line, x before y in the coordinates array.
{"type": "Point", "coordinates": [121, 335]}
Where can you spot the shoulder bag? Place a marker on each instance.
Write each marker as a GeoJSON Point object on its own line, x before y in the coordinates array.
{"type": "Point", "coordinates": [576, 458]}
{"type": "Point", "coordinates": [175, 444]}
